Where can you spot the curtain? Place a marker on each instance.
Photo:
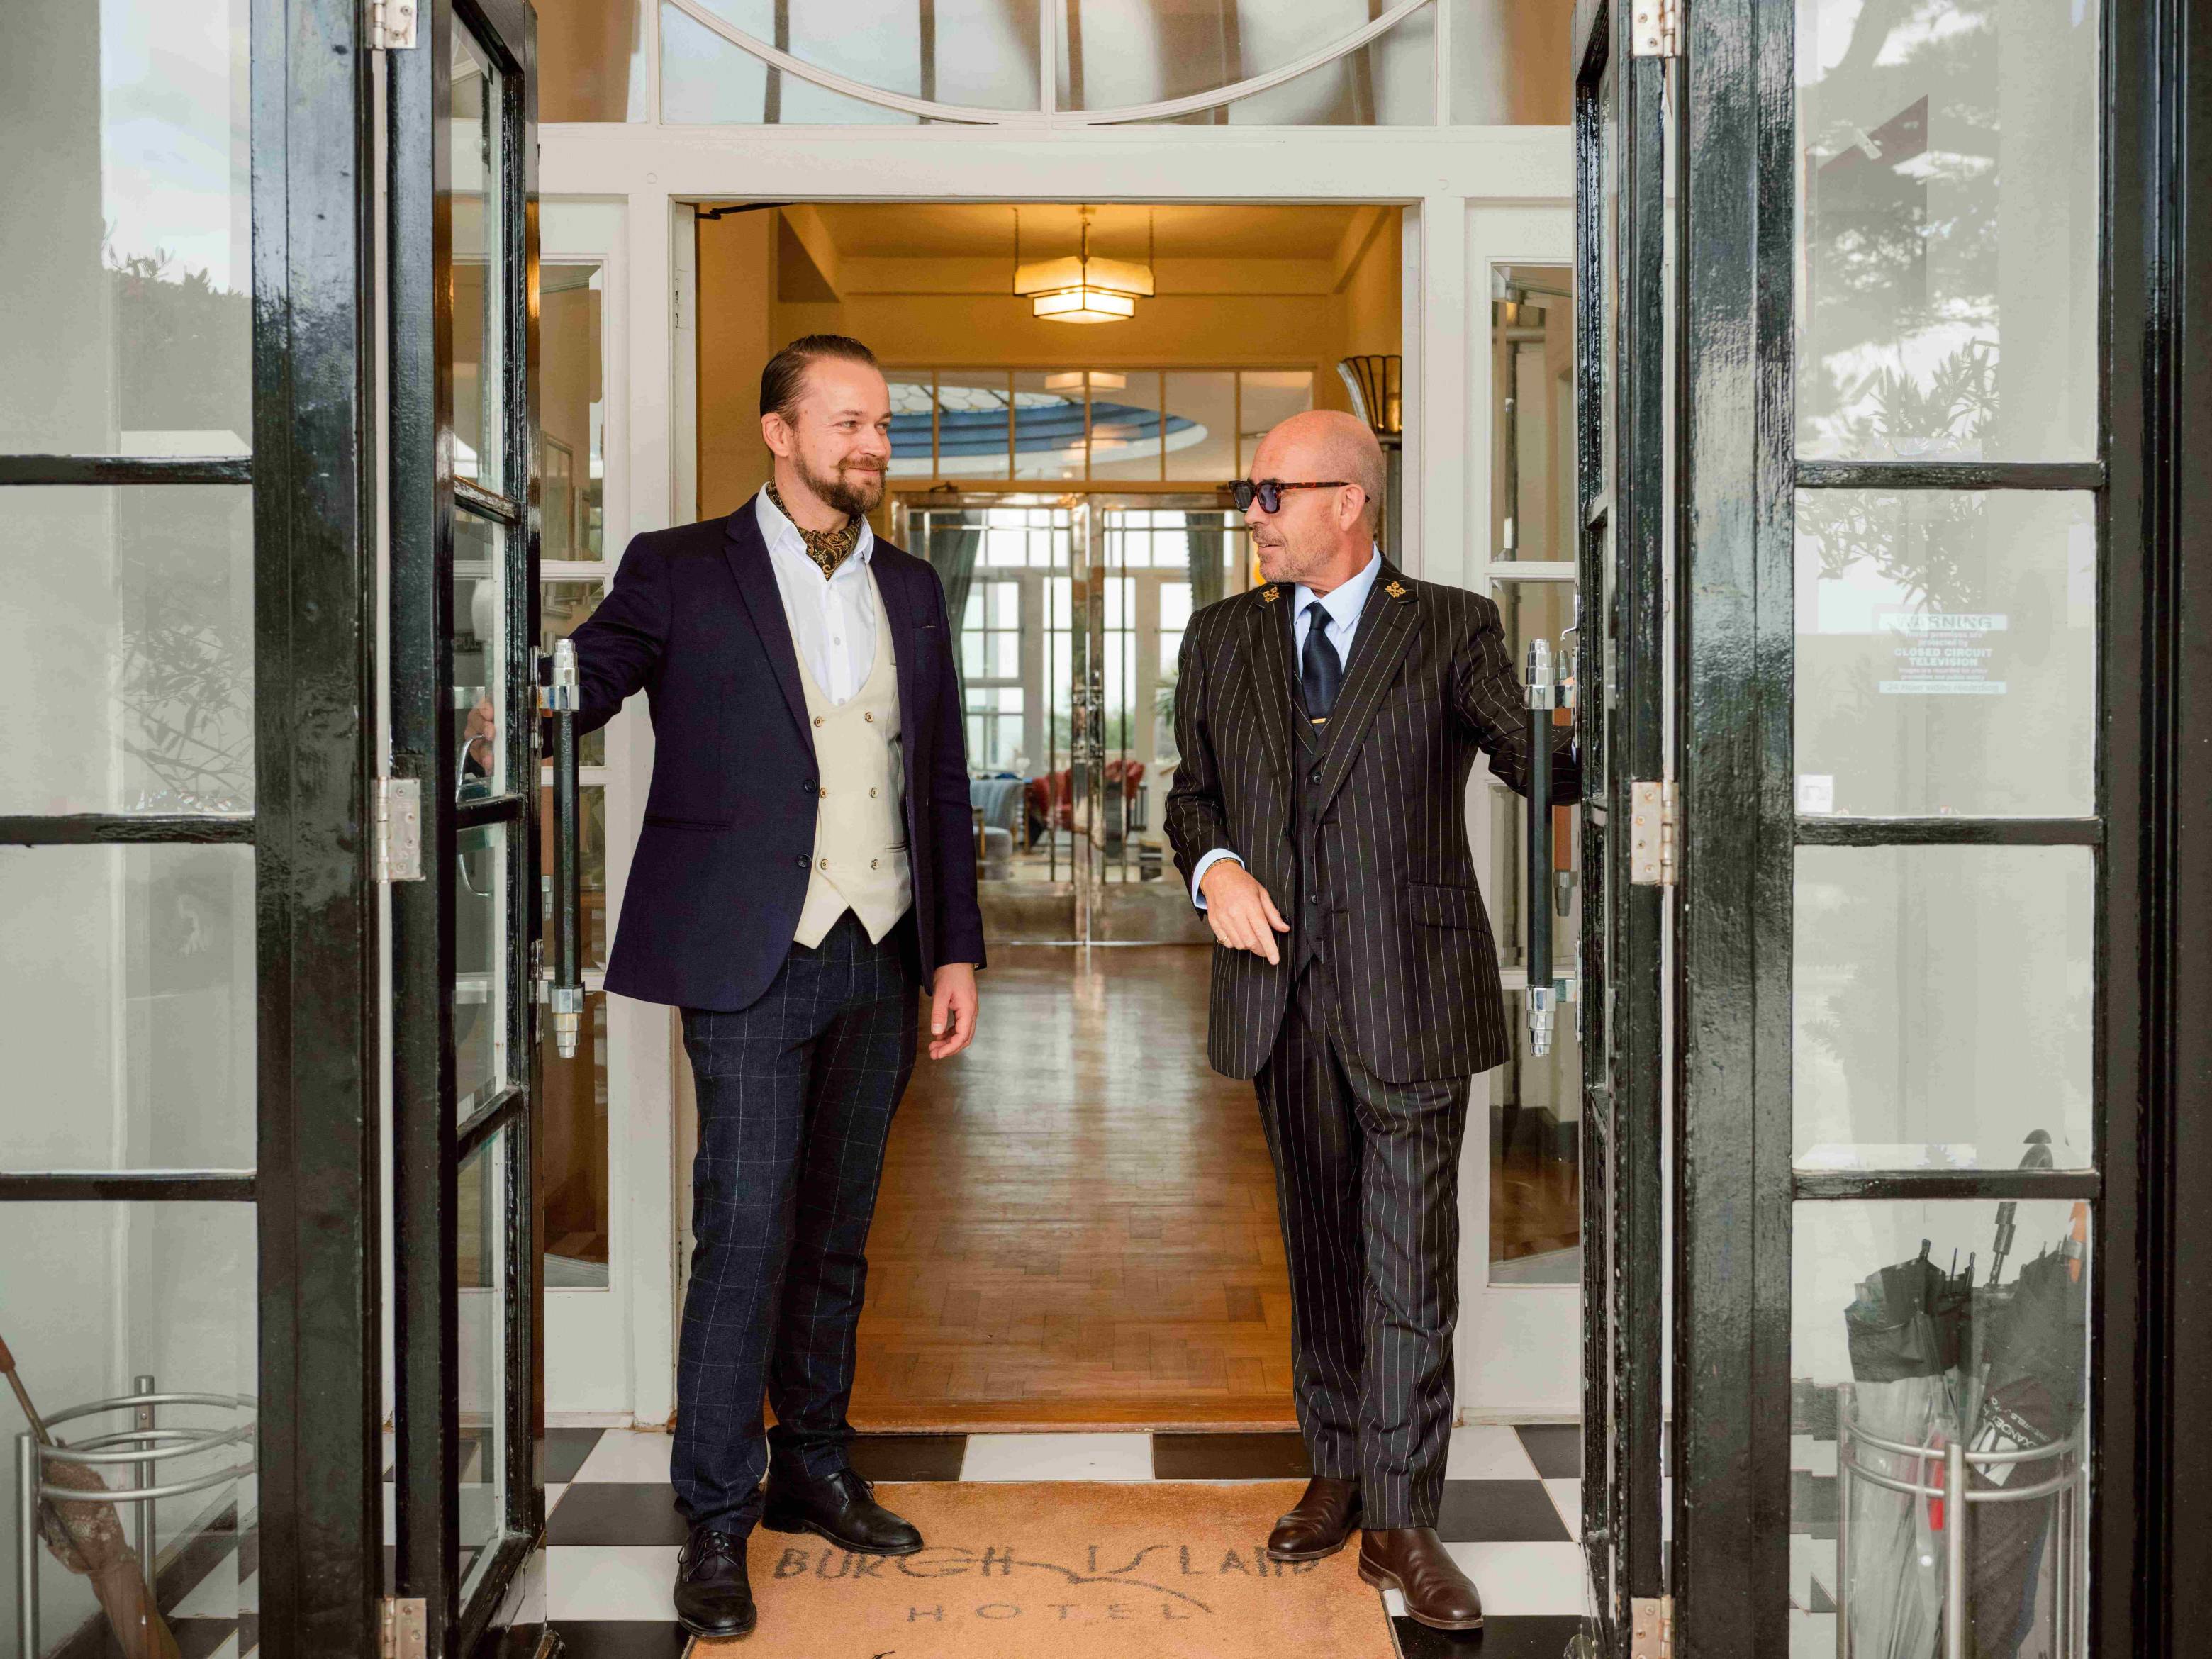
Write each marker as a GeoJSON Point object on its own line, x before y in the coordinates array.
{"type": "Point", "coordinates": [1207, 581]}
{"type": "Point", "coordinates": [952, 550]}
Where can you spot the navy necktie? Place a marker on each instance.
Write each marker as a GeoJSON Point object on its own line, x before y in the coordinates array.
{"type": "Point", "coordinates": [1321, 672]}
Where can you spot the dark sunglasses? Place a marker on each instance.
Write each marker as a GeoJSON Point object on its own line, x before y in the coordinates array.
{"type": "Point", "coordinates": [1268, 492]}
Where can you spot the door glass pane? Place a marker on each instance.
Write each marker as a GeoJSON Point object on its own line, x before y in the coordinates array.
{"type": "Point", "coordinates": [573, 1154]}
{"type": "Point", "coordinates": [128, 328]}
{"type": "Point", "coordinates": [1200, 426]}
{"type": "Point", "coordinates": [1271, 396]}
{"type": "Point", "coordinates": [129, 1032]}
{"type": "Point", "coordinates": [1943, 1007]}
{"type": "Point", "coordinates": [1917, 1326]}
{"type": "Point", "coordinates": [480, 1271]}
{"type": "Point", "coordinates": [480, 653]}
{"type": "Point", "coordinates": [129, 630]}
{"type": "Point", "coordinates": [97, 1296]}
{"type": "Point", "coordinates": [590, 61]}
{"type": "Point", "coordinates": [480, 967]}
{"type": "Point", "coordinates": [1946, 653]}
{"type": "Point", "coordinates": [571, 411]}
{"type": "Point", "coordinates": [1948, 218]}
{"type": "Point", "coordinates": [479, 262]}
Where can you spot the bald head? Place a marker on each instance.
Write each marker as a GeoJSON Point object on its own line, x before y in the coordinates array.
{"type": "Point", "coordinates": [1320, 537]}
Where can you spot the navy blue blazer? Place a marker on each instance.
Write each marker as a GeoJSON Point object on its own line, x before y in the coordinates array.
{"type": "Point", "coordinates": [695, 621]}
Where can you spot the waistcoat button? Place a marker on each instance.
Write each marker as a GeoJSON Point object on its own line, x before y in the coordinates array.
{"type": "Point", "coordinates": [872, 792]}
{"type": "Point", "coordinates": [825, 794]}
{"type": "Point", "coordinates": [825, 863]}
{"type": "Point", "coordinates": [869, 717]}
{"type": "Point", "coordinates": [817, 720]}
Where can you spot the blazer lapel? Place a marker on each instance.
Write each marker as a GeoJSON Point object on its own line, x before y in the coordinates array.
{"type": "Point", "coordinates": [749, 562]}
{"type": "Point", "coordinates": [1271, 667]}
{"type": "Point", "coordinates": [1389, 623]}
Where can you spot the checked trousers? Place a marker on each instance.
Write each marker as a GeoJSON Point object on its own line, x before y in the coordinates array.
{"type": "Point", "coordinates": [796, 1094]}
{"type": "Point", "coordinates": [1366, 1179]}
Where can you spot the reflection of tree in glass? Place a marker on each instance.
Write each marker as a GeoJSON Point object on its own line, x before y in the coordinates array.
{"type": "Point", "coordinates": [183, 683]}
{"type": "Point", "coordinates": [1901, 152]}
{"type": "Point", "coordinates": [1915, 544]}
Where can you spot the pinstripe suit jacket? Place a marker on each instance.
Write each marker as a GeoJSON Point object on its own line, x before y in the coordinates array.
{"type": "Point", "coordinates": [1429, 683]}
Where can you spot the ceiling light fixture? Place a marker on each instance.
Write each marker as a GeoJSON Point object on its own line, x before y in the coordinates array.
{"type": "Point", "coordinates": [1084, 289]}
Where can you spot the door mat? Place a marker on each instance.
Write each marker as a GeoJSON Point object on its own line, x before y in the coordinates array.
{"type": "Point", "coordinates": [1063, 1570]}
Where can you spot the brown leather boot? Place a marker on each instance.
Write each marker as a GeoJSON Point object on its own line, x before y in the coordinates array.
{"type": "Point", "coordinates": [1410, 1560]}
{"type": "Point", "coordinates": [1320, 1525]}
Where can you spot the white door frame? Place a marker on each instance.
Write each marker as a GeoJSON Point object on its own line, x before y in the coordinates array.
{"type": "Point", "coordinates": [1473, 195]}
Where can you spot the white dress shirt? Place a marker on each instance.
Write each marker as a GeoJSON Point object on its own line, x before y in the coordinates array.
{"type": "Point", "coordinates": [833, 622]}
{"type": "Point", "coordinates": [1340, 607]}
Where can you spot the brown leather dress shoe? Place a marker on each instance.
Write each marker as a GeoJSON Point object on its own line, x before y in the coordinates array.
{"type": "Point", "coordinates": [1320, 1525]}
{"type": "Point", "coordinates": [1410, 1560]}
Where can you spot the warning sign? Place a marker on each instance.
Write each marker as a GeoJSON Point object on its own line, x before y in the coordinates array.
{"type": "Point", "coordinates": [1942, 654]}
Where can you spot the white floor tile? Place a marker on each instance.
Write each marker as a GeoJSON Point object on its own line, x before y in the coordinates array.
{"type": "Point", "coordinates": [1393, 1603]}
{"type": "Point", "coordinates": [604, 1581]}
{"type": "Point", "coordinates": [1811, 1559]}
{"type": "Point", "coordinates": [553, 1491]}
{"type": "Point", "coordinates": [219, 1596]}
{"type": "Point", "coordinates": [630, 1455]}
{"type": "Point", "coordinates": [1811, 1635]}
{"type": "Point", "coordinates": [1567, 1498]}
{"type": "Point", "coordinates": [1812, 1456]}
{"type": "Point", "coordinates": [1058, 1457]}
{"type": "Point", "coordinates": [1488, 1451]}
{"type": "Point", "coordinates": [1524, 1578]}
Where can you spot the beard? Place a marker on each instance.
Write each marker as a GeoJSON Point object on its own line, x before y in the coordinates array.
{"type": "Point", "coordinates": [854, 493]}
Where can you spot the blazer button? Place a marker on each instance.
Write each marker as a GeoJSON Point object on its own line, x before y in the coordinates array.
{"type": "Point", "coordinates": [1314, 776]}
{"type": "Point", "coordinates": [801, 860]}
{"type": "Point", "coordinates": [807, 788]}
{"type": "Point", "coordinates": [1313, 898]}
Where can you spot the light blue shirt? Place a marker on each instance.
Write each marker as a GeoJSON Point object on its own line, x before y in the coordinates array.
{"type": "Point", "coordinates": [1341, 606]}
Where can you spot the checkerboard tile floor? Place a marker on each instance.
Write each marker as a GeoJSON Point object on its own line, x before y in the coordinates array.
{"type": "Point", "coordinates": [1512, 1499]}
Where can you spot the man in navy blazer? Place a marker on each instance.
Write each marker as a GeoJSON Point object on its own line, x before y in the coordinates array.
{"type": "Point", "coordinates": [807, 861]}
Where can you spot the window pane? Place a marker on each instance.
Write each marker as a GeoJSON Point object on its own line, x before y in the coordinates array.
{"type": "Point", "coordinates": [1532, 493]}
{"type": "Point", "coordinates": [913, 434]}
{"type": "Point", "coordinates": [572, 411]}
{"type": "Point", "coordinates": [979, 53]}
{"type": "Point", "coordinates": [479, 650]}
{"type": "Point", "coordinates": [705, 78]}
{"type": "Point", "coordinates": [98, 1295]}
{"type": "Point", "coordinates": [130, 1032]}
{"type": "Point", "coordinates": [573, 1155]}
{"type": "Point", "coordinates": [562, 608]}
{"type": "Point", "coordinates": [1200, 426]}
{"type": "Point", "coordinates": [1943, 1007]}
{"type": "Point", "coordinates": [972, 422]}
{"type": "Point", "coordinates": [1271, 397]}
{"type": "Point", "coordinates": [1908, 1330]}
{"type": "Point", "coordinates": [1506, 57]}
{"type": "Point", "coordinates": [1535, 1156]}
{"type": "Point", "coordinates": [1048, 423]}
{"type": "Point", "coordinates": [128, 329]}
{"type": "Point", "coordinates": [591, 60]}
{"type": "Point", "coordinates": [479, 265]}
{"type": "Point", "coordinates": [1117, 53]}
{"type": "Point", "coordinates": [1948, 216]}
{"type": "Point", "coordinates": [1125, 424]}
{"type": "Point", "coordinates": [481, 1269]}
{"type": "Point", "coordinates": [1946, 653]}
{"type": "Point", "coordinates": [480, 962]}
{"type": "Point", "coordinates": [129, 629]}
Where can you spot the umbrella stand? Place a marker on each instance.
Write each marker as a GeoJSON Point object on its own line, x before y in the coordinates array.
{"type": "Point", "coordinates": [1961, 1499]}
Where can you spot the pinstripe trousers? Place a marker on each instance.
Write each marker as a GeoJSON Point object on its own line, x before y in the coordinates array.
{"type": "Point", "coordinates": [1367, 1179]}
{"type": "Point", "coordinates": [796, 1094]}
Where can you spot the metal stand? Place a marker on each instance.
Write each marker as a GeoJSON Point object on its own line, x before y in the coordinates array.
{"type": "Point", "coordinates": [2067, 1562]}
{"type": "Point", "coordinates": [140, 1447]}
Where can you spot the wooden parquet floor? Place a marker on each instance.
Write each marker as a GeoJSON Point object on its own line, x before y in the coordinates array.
{"type": "Point", "coordinates": [1077, 1226]}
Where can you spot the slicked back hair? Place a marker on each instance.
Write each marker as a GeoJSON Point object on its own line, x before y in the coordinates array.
{"type": "Point", "coordinates": [784, 377]}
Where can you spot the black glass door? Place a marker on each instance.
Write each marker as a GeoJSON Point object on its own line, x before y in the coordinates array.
{"type": "Point", "coordinates": [463, 560]}
{"type": "Point", "coordinates": [1623, 94]}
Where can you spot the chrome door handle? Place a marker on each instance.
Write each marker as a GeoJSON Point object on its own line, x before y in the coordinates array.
{"type": "Point", "coordinates": [561, 698]}
{"type": "Point", "coordinates": [1544, 694]}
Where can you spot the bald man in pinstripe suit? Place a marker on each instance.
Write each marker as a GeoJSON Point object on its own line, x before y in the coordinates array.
{"type": "Point", "coordinates": [1328, 723]}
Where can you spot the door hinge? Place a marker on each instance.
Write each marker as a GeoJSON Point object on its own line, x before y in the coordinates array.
{"type": "Point", "coordinates": [1656, 29]}
{"type": "Point", "coordinates": [398, 829]}
{"type": "Point", "coordinates": [406, 1627]}
{"type": "Point", "coordinates": [1651, 1627]}
{"type": "Point", "coordinates": [390, 24]}
{"type": "Point", "coordinates": [1651, 834]}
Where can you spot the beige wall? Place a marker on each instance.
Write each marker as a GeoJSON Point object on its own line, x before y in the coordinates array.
{"type": "Point", "coordinates": [1218, 313]}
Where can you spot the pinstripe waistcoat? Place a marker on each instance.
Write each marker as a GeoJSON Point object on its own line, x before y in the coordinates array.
{"type": "Point", "coordinates": [1392, 904]}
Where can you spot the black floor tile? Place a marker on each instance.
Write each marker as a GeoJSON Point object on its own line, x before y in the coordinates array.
{"type": "Point", "coordinates": [620, 1639]}
{"type": "Point", "coordinates": [1514, 1636]}
{"type": "Point", "coordinates": [1499, 1512]}
{"type": "Point", "coordinates": [566, 1451]}
{"type": "Point", "coordinates": [196, 1638]}
{"type": "Point", "coordinates": [1556, 1448]}
{"type": "Point", "coordinates": [1229, 1457]}
{"type": "Point", "coordinates": [908, 1456]}
{"type": "Point", "coordinates": [615, 1512]}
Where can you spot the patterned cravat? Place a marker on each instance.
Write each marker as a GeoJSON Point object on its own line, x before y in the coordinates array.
{"type": "Point", "coordinates": [828, 548]}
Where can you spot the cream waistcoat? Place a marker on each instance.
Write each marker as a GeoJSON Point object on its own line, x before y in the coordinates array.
{"type": "Point", "coordinates": [860, 861]}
